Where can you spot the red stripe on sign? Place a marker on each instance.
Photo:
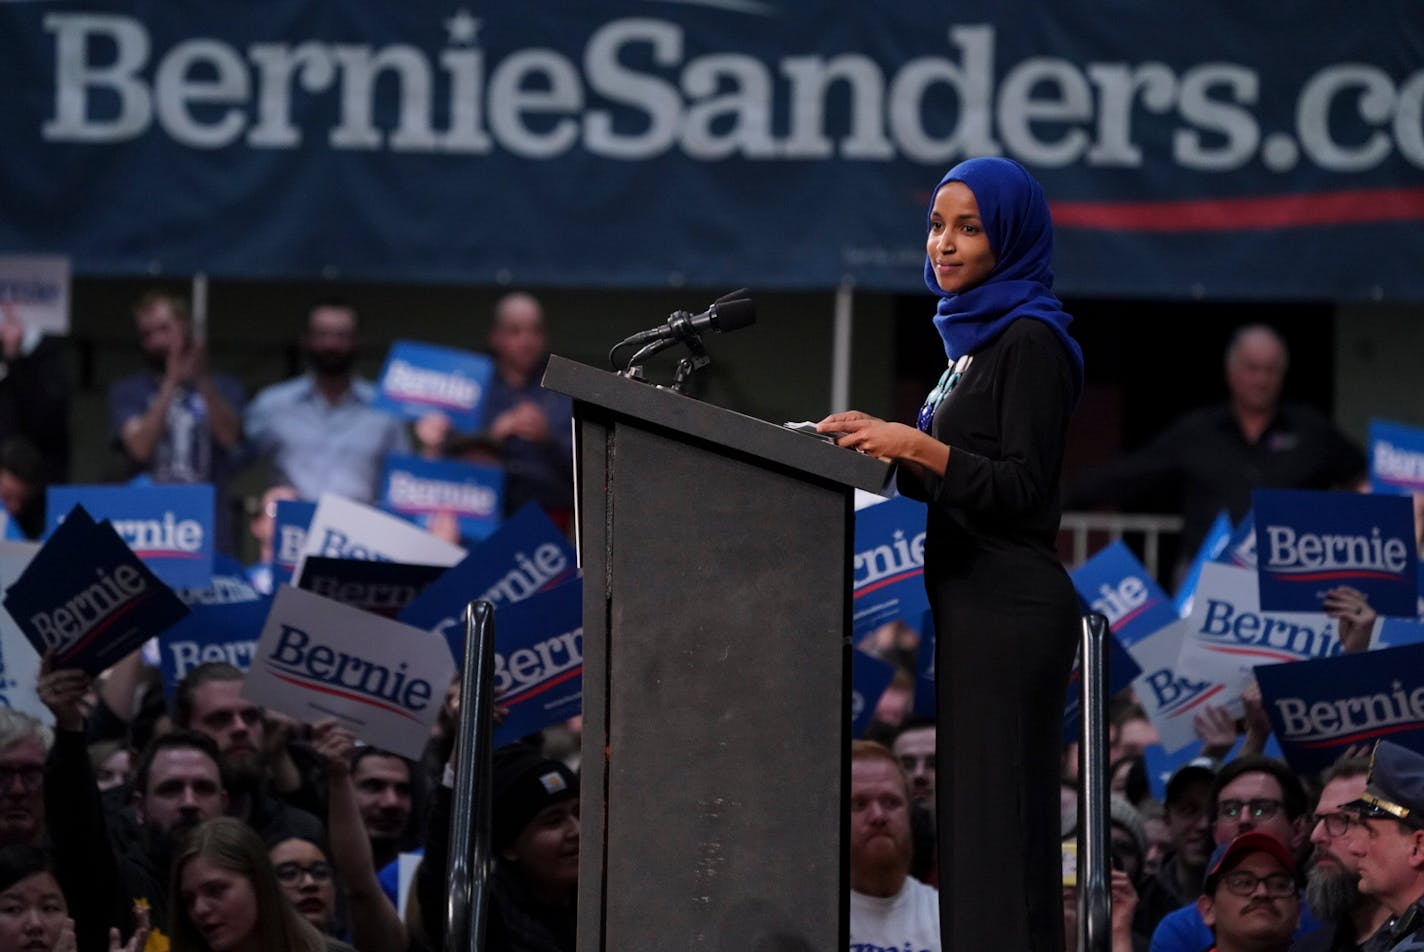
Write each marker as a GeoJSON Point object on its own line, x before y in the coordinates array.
{"type": "Point", "coordinates": [1222, 214]}
{"type": "Point", "coordinates": [539, 688]}
{"type": "Point", "coordinates": [1187, 707]}
{"type": "Point", "coordinates": [349, 695]}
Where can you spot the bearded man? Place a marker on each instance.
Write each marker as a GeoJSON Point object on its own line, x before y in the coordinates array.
{"type": "Point", "coordinates": [889, 908]}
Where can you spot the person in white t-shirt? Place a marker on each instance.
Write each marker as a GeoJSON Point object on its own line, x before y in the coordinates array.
{"type": "Point", "coordinates": [890, 910]}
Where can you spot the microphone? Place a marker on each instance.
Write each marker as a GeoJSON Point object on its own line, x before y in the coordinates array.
{"type": "Point", "coordinates": [730, 312]}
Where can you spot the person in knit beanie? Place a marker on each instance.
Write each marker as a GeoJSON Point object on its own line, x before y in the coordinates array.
{"type": "Point", "coordinates": [535, 839]}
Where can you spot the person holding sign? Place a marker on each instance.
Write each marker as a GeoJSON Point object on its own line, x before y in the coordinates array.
{"type": "Point", "coordinates": [986, 457]}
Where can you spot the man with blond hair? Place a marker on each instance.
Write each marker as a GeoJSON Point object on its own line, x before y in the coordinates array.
{"type": "Point", "coordinates": [889, 908]}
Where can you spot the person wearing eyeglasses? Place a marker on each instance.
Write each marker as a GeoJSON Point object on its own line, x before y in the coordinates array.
{"type": "Point", "coordinates": [1251, 794]}
{"type": "Point", "coordinates": [1332, 884]}
{"type": "Point", "coordinates": [306, 876]}
{"type": "Point", "coordinates": [24, 743]}
{"type": "Point", "coordinates": [1250, 898]}
{"type": "Point", "coordinates": [1388, 842]}
{"type": "Point", "coordinates": [375, 925]}
{"type": "Point", "coordinates": [226, 898]}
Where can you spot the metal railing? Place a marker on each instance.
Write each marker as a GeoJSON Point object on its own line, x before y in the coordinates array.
{"type": "Point", "coordinates": [1090, 531]}
{"type": "Point", "coordinates": [467, 908]}
{"type": "Point", "coordinates": [1094, 865]}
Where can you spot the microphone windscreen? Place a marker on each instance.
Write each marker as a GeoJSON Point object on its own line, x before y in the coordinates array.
{"type": "Point", "coordinates": [734, 314]}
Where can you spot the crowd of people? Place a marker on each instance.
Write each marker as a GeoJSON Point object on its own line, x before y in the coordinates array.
{"type": "Point", "coordinates": [205, 822]}
{"type": "Point", "coordinates": [209, 823]}
{"type": "Point", "coordinates": [178, 420]}
{"type": "Point", "coordinates": [1240, 855]}
{"type": "Point", "coordinates": [238, 830]}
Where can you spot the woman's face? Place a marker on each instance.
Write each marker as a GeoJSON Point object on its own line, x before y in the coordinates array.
{"type": "Point", "coordinates": [305, 876]}
{"type": "Point", "coordinates": [220, 903]}
{"type": "Point", "coordinates": [957, 246]}
{"type": "Point", "coordinates": [32, 913]}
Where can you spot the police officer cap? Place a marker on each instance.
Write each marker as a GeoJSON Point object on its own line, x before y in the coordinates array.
{"type": "Point", "coordinates": [1395, 786]}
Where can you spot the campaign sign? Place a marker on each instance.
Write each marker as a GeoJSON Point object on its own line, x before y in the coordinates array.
{"type": "Point", "coordinates": [170, 527]}
{"type": "Point", "coordinates": [1116, 585]}
{"type": "Point", "coordinates": [1320, 708]}
{"type": "Point", "coordinates": [538, 661]}
{"type": "Point", "coordinates": [420, 488]}
{"type": "Point", "coordinates": [342, 528]}
{"type": "Point", "coordinates": [1396, 458]}
{"type": "Point", "coordinates": [869, 678]}
{"type": "Point", "coordinates": [1310, 541]}
{"type": "Point", "coordinates": [88, 598]}
{"type": "Point", "coordinates": [289, 537]}
{"type": "Point", "coordinates": [1172, 699]}
{"type": "Point", "coordinates": [1393, 632]}
{"type": "Point", "coordinates": [19, 662]}
{"type": "Point", "coordinates": [526, 555]}
{"type": "Point", "coordinates": [229, 585]}
{"type": "Point", "coordinates": [889, 568]}
{"type": "Point", "coordinates": [1228, 635]}
{"type": "Point", "coordinates": [380, 587]}
{"type": "Point", "coordinates": [1218, 536]}
{"type": "Point", "coordinates": [424, 378]}
{"type": "Point", "coordinates": [221, 631]}
{"type": "Point", "coordinates": [1240, 549]}
{"type": "Point", "coordinates": [382, 680]}
{"type": "Point", "coordinates": [37, 288]}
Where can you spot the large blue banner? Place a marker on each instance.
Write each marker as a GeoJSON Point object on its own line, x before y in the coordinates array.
{"type": "Point", "coordinates": [1206, 150]}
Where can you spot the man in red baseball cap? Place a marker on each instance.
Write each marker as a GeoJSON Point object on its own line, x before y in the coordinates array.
{"type": "Point", "coordinates": [1251, 894]}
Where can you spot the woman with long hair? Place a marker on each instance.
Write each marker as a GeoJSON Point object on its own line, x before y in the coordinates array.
{"type": "Point", "coordinates": [226, 897]}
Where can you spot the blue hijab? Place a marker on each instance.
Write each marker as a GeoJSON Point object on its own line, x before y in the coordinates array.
{"type": "Point", "coordinates": [1015, 217]}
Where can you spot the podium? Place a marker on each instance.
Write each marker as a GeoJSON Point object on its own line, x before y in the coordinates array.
{"type": "Point", "coordinates": [716, 551]}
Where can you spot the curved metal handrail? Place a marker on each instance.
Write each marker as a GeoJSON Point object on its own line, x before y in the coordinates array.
{"type": "Point", "coordinates": [1094, 882]}
{"type": "Point", "coordinates": [468, 872]}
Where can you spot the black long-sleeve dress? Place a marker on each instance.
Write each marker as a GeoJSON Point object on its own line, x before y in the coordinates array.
{"type": "Point", "coordinates": [1006, 620]}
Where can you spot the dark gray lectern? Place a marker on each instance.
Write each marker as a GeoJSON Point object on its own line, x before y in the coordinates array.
{"type": "Point", "coordinates": [716, 551]}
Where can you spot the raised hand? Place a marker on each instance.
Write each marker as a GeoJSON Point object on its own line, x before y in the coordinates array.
{"type": "Point", "coordinates": [1354, 617]}
{"type": "Point", "coordinates": [334, 744]}
{"type": "Point", "coordinates": [62, 691]}
{"type": "Point", "coordinates": [139, 939]}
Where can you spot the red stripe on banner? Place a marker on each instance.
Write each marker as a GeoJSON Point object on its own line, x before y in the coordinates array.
{"type": "Point", "coordinates": [1337, 575]}
{"type": "Point", "coordinates": [360, 698]}
{"type": "Point", "coordinates": [539, 689]}
{"type": "Point", "coordinates": [1188, 707]}
{"type": "Point", "coordinates": [1363, 735]}
{"type": "Point", "coordinates": [1256, 653]}
{"type": "Point", "coordinates": [1222, 214]}
{"type": "Point", "coordinates": [888, 580]}
{"type": "Point", "coordinates": [103, 626]}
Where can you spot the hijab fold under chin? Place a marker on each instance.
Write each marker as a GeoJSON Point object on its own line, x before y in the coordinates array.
{"type": "Point", "coordinates": [1015, 217]}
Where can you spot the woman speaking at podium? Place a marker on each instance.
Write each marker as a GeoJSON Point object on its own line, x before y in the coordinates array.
{"type": "Point", "coordinates": [985, 457]}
